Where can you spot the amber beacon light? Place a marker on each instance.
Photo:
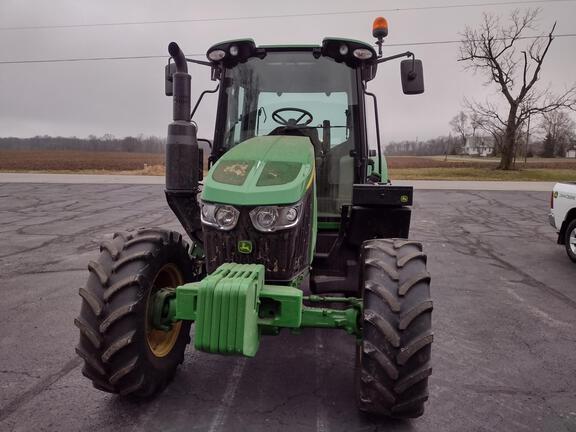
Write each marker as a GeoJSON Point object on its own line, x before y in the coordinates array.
{"type": "Point", "coordinates": [380, 31]}
{"type": "Point", "coordinates": [380, 28]}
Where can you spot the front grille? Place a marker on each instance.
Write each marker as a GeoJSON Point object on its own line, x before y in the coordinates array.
{"type": "Point", "coordinates": [284, 253]}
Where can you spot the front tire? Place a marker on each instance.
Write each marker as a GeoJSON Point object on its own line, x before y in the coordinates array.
{"type": "Point", "coordinates": [393, 357]}
{"type": "Point", "coordinates": [570, 240]}
{"type": "Point", "coordinates": [122, 353]}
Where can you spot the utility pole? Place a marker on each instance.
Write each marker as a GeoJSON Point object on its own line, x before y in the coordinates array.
{"type": "Point", "coordinates": [527, 139]}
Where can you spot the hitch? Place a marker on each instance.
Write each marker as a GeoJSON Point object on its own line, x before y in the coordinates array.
{"type": "Point", "coordinates": [232, 307]}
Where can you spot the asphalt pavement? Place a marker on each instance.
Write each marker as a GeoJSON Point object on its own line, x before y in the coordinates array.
{"type": "Point", "coordinates": [142, 179]}
{"type": "Point", "coordinates": [504, 355]}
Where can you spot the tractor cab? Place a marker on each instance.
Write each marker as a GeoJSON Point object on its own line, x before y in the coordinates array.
{"type": "Point", "coordinates": [315, 92]}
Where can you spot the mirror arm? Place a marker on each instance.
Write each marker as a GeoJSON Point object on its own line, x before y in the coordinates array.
{"type": "Point", "coordinates": [200, 62]}
{"type": "Point", "coordinates": [206, 141]}
{"type": "Point", "coordinates": [200, 99]}
{"type": "Point", "coordinates": [366, 92]}
{"type": "Point", "coordinates": [394, 57]}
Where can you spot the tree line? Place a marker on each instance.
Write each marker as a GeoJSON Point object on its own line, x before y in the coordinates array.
{"type": "Point", "coordinates": [105, 143]}
{"type": "Point", "coordinates": [435, 146]}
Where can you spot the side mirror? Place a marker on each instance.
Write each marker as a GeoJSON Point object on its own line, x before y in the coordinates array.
{"type": "Point", "coordinates": [412, 76]}
{"type": "Point", "coordinates": [169, 70]}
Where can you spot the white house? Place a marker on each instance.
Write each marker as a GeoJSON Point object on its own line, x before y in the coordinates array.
{"type": "Point", "coordinates": [478, 146]}
{"type": "Point", "coordinates": [571, 153]}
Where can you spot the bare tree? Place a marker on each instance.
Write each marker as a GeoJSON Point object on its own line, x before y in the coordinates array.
{"type": "Point", "coordinates": [486, 119]}
{"type": "Point", "coordinates": [494, 49]}
{"type": "Point", "coordinates": [559, 130]}
{"type": "Point", "coordinates": [461, 126]}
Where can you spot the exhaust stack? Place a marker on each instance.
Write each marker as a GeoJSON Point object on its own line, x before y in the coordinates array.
{"type": "Point", "coordinates": [183, 164]}
{"type": "Point", "coordinates": [182, 155]}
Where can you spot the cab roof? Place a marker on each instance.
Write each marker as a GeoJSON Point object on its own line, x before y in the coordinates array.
{"type": "Point", "coordinates": [354, 53]}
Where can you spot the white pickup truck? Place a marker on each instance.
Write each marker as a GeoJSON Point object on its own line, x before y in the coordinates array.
{"type": "Point", "coordinates": [563, 216]}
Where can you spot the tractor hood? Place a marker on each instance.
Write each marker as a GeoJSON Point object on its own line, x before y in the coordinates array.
{"type": "Point", "coordinates": [264, 170]}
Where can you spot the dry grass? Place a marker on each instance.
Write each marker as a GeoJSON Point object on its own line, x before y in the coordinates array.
{"type": "Point", "coordinates": [79, 162]}
{"type": "Point", "coordinates": [469, 168]}
{"type": "Point", "coordinates": [473, 162]}
{"type": "Point", "coordinates": [479, 174]}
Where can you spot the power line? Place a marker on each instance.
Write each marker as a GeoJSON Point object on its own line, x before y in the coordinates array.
{"type": "Point", "coordinates": [165, 56]}
{"type": "Point", "coordinates": [83, 59]}
{"type": "Point", "coordinates": [446, 42]}
{"type": "Point", "coordinates": [311, 14]}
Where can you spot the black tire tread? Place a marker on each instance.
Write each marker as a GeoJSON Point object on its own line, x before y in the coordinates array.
{"type": "Point", "coordinates": [408, 316]}
{"type": "Point", "coordinates": [108, 246]}
{"type": "Point", "coordinates": [384, 294]}
{"type": "Point", "coordinates": [116, 376]}
{"type": "Point", "coordinates": [98, 270]}
{"type": "Point", "coordinates": [394, 355]}
{"type": "Point", "coordinates": [91, 300]}
{"type": "Point", "coordinates": [137, 256]}
{"type": "Point", "coordinates": [384, 360]}
{"type": "Point", "coordinates": [571, 227]}
{"type": "Point", "coordinates": [120, 343]}
{"type": "Point", "coordinates": [110, 333]}
{"type": "Point", "coordinates": [116, 315]}
{"type": "Point", "coordinates": [120, 285]}
{"type": "Point", "coordinates": [88, 332]}
{"type": "Point", "coordinates": [91, 360]}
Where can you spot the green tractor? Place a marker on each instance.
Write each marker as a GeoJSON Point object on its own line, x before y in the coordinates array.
{"type": "Point", "coordinates": [295, 224]}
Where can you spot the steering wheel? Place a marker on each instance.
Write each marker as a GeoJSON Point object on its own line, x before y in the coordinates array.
{"type": "Point", "coordinates": [292, 122]}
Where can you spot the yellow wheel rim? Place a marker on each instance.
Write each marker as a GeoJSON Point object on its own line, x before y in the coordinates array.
{"type": "Point", "coordinates": [162, 342]}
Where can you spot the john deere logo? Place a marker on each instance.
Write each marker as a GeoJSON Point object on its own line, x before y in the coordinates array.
{"type": "Point", "coordinates": [556, 194]}
{"type": "Point", "coordinates": [404, 198]}
{"type": "Point", "coordinates": [245, 246]}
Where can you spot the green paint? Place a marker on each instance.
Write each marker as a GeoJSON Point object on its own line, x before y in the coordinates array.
{"type": "Point", "coordinates": [245, 246]}
{"type": "Point", "coordinates": [328, 225]}
{"type": "Point", "coordinates": [226, 309]}
{"type": "Point", "coordinates": [232, 172]}
{"type": "Point", "coordinates": [264, 182]}
{"type": "Point", "coordinates": [314, 228]}
{"type": "Point", "coordinates": [286, 306]}
{"type": "Point", "coordinates": [346, 319]}
{"type": "Point", "coordinates": [278, 173]}
{"type": "Point", "coordinates": [232, 307]}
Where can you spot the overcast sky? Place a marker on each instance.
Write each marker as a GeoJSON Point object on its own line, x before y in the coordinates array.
{"type": "Point", "coordinates": [126, 97]}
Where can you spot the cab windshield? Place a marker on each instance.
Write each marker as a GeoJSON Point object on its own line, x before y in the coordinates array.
{"type": "Point", "coordinates": [293, 93]}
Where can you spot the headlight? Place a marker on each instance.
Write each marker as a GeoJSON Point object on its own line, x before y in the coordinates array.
{"type": "Point", "coordinates": [223, 217]}
{"type": "Point", "coordinates": [216, 55]}
{"type": "Point", "coordinates": [274, 218]}
{"type": "Point", "coordinates": [362, 53]}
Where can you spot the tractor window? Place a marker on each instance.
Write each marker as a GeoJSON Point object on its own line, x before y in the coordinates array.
{"type": "Point", "coordinates": [319, 89]}
{"type": "Point", "coordinates": [256, 89]}
{"type": "Point", "coordinates": [324, 108]}
{"type": "Point", "coordinates": [236, 102]}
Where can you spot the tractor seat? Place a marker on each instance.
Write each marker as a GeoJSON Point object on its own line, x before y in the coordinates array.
{"type": "Point", "coordinates": [310, 132]}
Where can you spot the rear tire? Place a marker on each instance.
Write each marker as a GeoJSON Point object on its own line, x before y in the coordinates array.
{"type": "Point", "coordinates": [570, 240]}
{"type": "Point", "coordinates": [122, 353]}
{"type": "Point", "coordinates": [393, 357]}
